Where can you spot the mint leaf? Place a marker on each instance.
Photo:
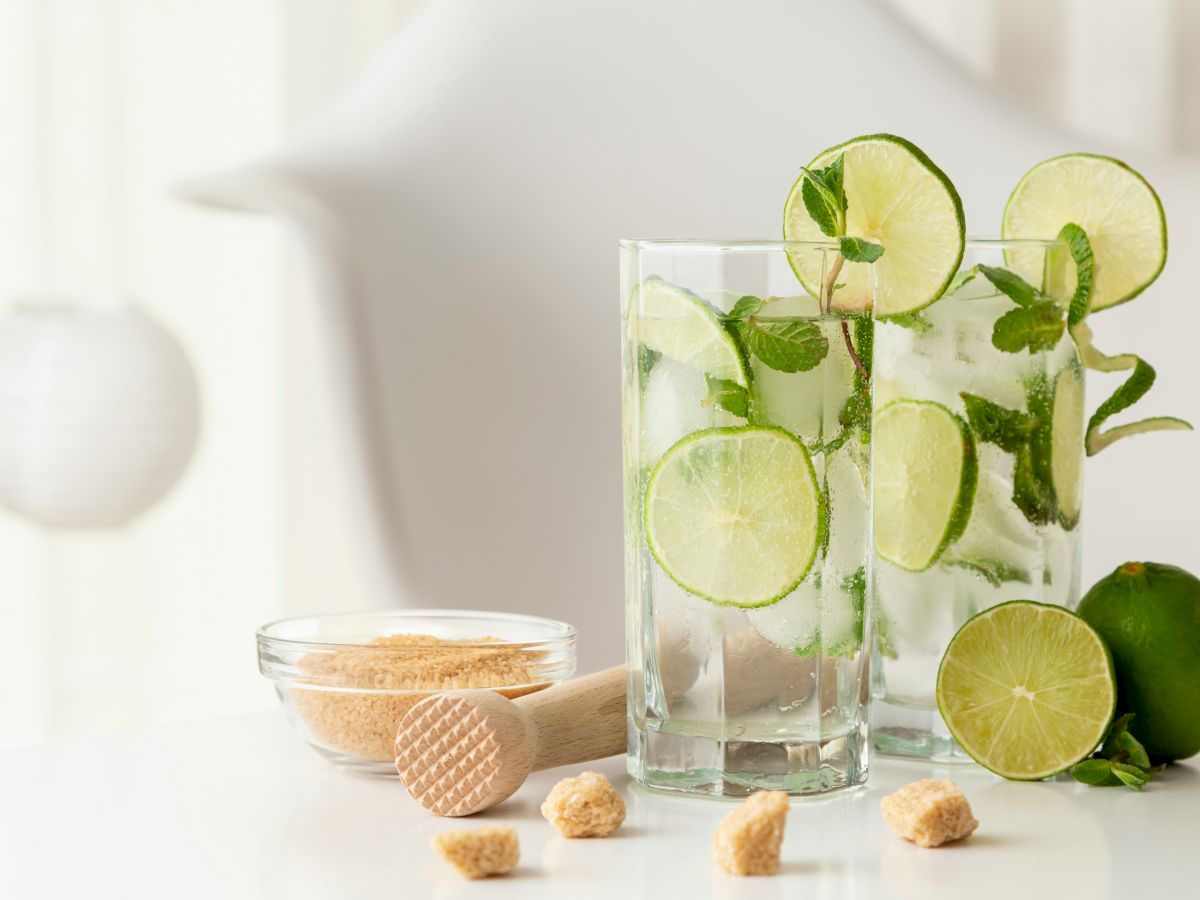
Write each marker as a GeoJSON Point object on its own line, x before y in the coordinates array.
{"type": "Point", "coordinates": [1096, 772]}
{"type": "Point", "coordinates": [913, 321]}
{"type": "Point", "coordinates": [996, 424]}
{"type": "Point", "coordinates": [997, 574]}
{"type": "Point", "coordinates": [1130, 776]}
{"type": "Point", "coordinates": [825, 199]}
{"type": "Point", "coordinates": [1081, 253]}
{"type": "Point", "coordinates": [1133, 749]}
{"type": "Point", "coordinates": [1011, 285]}
{"type": "Point", "coordinates": [729, 395]}
{"type": "Point", "coordinates": [860, 250]}
{"type": "Point", "coordinates": [786, 345]}
{"type": "Point", "coordinates": [1034, 327]}
{"type": "Point", "coordinates": [646, 360]}
{"type": "Point", "coordinates": [745, 308]}
{"type": "Point", "coordinates": [1031, 494]}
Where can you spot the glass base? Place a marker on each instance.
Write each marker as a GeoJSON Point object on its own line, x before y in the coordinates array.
{"type": "Point", "coordinates": [716, 767]}
{"type": "Point", "coordinates": [913, 733]}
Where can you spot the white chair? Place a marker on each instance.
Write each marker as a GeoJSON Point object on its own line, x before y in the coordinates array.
{"type": "Point", "coordinates": [462, 208]}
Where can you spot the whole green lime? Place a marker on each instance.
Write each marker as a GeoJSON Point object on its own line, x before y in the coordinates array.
{"type": "Point", "coordinates": [1149, 615]}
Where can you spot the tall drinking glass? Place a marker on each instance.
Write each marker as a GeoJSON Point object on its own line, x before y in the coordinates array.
{"type": "Point", "coordinates": [1011, 535]}
{"type": "Point", "coordinates": [746, 413]}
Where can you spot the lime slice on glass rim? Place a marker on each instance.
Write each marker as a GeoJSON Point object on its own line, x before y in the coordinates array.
{"type": "Point", "coordinates": [1114, 204]}
{"type": "Point", "coordinates": [925, 473]}
{"type": "Point", "coordinates": [734, 515]}
{"type": "Point", "coordinates": [681, 326]}
{"type": "Point", "coordinates": [898, 197]}
{"type": "Point", "coordinates": [1027, 689]}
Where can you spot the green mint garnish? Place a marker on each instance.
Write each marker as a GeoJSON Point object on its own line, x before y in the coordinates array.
{"type": "Point", "coordinates": [995, 424]}
{"type": "Point", "coordinates": [913, 321]}
{"type": "Point", "coordinates": [728, 395]}
{"type": "Point", "coordinates": [786, 345]}
{"type": "Point", "coordinates": [646, 360]}
{"type": "Point", "coordinates": [1012, 285]}
{"type": "Point", "coordinates": [1121, 759]}
{"type": "Point", "coordinates": [745, 308]}
{"type": "Point", "coordinates": [1037, 326]}
{"type": "Point", "coordinates": [825, 198]}
{"type": "Point", "coordinates": [1096, 772]}
{"type": "Point", "coordinates": [1085, 265]}
{"type": "Point", "coordinates": [994, 573]}
{"type": "Point", "coordinates": [1028, 437]}
{"type": "Point", "coordinates": [860, 250]}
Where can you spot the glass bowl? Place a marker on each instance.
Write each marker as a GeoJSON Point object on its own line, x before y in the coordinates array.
{"type": "Point", "coordinates": [347, 680]}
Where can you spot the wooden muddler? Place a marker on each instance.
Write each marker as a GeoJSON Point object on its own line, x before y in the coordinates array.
{"type": "Point", "coordinates": [466, 751]}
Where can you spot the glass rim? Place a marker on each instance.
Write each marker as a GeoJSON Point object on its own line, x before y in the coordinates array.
{"type": "Point", "coordinates": [765, 245]}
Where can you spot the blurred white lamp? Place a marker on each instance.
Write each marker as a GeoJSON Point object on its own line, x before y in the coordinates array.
{"type": "Point", "coordinates": [99, 413]}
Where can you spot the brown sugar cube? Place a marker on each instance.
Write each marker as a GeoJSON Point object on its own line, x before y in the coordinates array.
{"type": "Point", "coordinates": [479, 852]}
{"type": "Point", "coordinates": [585, 806]}
{"type": "Point", "coordinates": [748, 839]}
{"type": "Point", "coordinates": [929, 813]}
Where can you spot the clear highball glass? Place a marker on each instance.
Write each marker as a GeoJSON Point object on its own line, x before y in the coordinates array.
{"type": "Point", "coordinates": [1024, 413]}
{"type": "Point", "coordinates": [746, 410]}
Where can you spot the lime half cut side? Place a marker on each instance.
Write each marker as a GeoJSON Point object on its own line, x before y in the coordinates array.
{"type": "Point", "coordinates": [734, 515]}
{"type": "Point", "coordinates": [895, 195]}
{"type": "Point", "coordinates": [1066, 444]}
{"type": "Point", "coordinates": [1115, 205]}
{"type": "Point", "coordinates": [926, 472]}
{"type": "Point", "coordinates": [681, 326]}
{"type": "Point", "coordinates": [1027, 689]}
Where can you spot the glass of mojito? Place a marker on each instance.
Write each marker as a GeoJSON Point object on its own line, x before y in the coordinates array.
{"type": "Point", "coordinates": [979, 444]}
{"type": "Point", "coordinates": [746, 414]}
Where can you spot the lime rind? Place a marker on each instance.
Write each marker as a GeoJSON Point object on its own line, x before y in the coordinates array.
{"type": "Point", "coordinates": [1076, 196]}
{"type": "Point", "coordinates": [963, 501]}
{"type": "Point", "coordinates": [1066, 445]}
{"type": "Point", "coordinates": [678, 324]}
{"type": "Point", "coordinates": [1002, 653]}
{"type": "Point", "coordinates": [800, 567]}
{"type": "Point", "coordinates": [797, 225]}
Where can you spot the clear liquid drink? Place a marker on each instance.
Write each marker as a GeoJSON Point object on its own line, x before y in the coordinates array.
{"type": "Point", "coordinates": [1019, 536]}
{"type": "Point", "coordinates": [746, 417]}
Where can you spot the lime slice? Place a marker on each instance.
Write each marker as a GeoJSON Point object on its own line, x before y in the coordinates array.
{"type": "Point", "coordinates": [1066, 444]}
{"type": "Point", "coordinates": [1115, 205]}
{"type": "Point", "coordinates": [898, 197]}
{"type": "Point", "coordinates": [734, 515]}
{"type": "Point", "coordinates": [681, 326]}
{"type": "Point", "coordinates": [925, 475]}
{"type": "Point", "coordinates": [1027, 689]}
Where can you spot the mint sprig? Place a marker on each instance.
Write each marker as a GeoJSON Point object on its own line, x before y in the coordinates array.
{"type": "Point", "coordinates": [860, 250]}
{"type": "Point", "coordinates": [783, 344]}
{"type": "Point", "coordinates": [728, 395]}
{"type": "Point", "coordinates": [1121, 760]}
{"type": "Point", "coordinates": [825, 197]}
{"type": "Point", "coordinates": [1028, 437]}
{"type": "Point", "coordinates": [1035, 327]}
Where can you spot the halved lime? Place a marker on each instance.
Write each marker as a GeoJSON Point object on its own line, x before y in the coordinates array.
{"type": "Point", "coordinates": [898, 197]}
{"type": "Point", "coordinates": [734, 515]}
{"type": "Point", "coordinates": [1027, 689]}
{"type": "Point", "coordinates": [926, 470]}
{"type": "Point", "coordinates": [1066, 444]}
{"type": "Point", "coordinates": [1115, 205]}
{"type": "Point", "coordinates": [676, 323]}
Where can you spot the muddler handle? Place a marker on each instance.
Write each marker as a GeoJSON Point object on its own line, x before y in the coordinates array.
{"type": "Point", "coordinates": [578, 720]}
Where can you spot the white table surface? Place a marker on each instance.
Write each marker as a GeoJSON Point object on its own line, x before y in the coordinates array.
{"type": "Point", "coordinates": [238, 807]}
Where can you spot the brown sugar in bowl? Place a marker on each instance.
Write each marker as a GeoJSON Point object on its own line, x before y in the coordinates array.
{"type": "Point", "coordinates": [346, 681]}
